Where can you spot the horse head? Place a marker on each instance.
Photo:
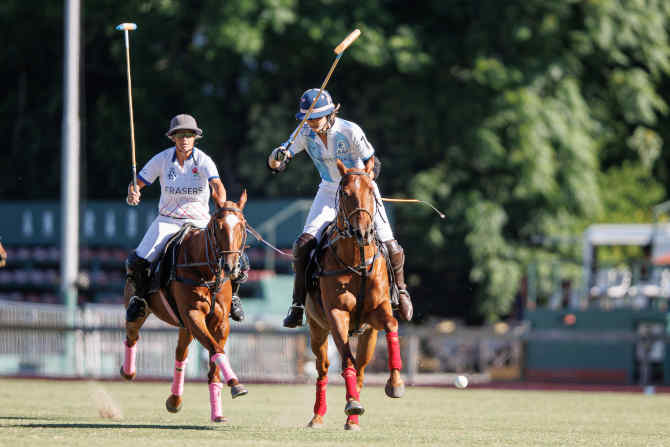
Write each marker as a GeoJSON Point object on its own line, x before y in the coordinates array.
{"type": "Point", "coordinates": [356, 202]}
{"type": "Point", "coordinates": [230, 232]}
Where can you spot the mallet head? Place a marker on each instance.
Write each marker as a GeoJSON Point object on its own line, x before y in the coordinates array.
{"type": "Point", "coordinates": [126, 26]}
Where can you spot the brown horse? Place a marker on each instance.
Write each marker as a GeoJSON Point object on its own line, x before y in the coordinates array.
{"type": "Point", "coordinates": [353, 295]}
{"type": "Point", "coordinates": [202, 296]}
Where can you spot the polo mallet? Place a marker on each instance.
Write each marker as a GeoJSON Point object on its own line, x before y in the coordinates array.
{"type": "Point", "coordinates": [338, 51]}
{"type": "Point", "coordinates": [125, 27]}
{"type": "Point", "coordinates": [441, 214]}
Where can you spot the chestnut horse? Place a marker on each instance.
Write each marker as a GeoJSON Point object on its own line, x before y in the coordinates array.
{"type": "Point", "coordinates": [202, 295]}
{"type": "Point", "coordinates": [353, 295]}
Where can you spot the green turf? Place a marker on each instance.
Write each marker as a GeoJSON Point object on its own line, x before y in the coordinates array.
{"type": "Point", "coordinates": [45, 413]}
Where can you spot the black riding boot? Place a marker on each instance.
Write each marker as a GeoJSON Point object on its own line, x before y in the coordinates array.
{"type": "Point", "coordinates": [301, 249]}
{"type": "Point", "coordinates": [397, 256]}
{"type": "Point", "coordinates": [137, 273]}
{"type": "Point", "coordinates": [236, 311]}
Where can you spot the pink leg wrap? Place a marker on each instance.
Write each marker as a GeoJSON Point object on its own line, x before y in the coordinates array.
{"type": "Point", "coordinates": [320, 406]}
{"type": "Point", "coordinates": [395, 362]}
{"type": "Point", "coordinates": [215, 400]}
{"type": "Point", "coordinates": [224, 365]}
{"type": "Point", "coordinates": [349, 375]}
{"type": "Point", "coordinates": [129, 360]}
{"type": "Point", "coordinates": [353, 419]}
{"type": "Point", "coordinates": [178, 379]}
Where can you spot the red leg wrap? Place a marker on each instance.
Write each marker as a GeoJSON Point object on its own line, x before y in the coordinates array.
{"type": "Point", "coordinates": [353, 419]}
{"type": "Point", "coordinates": [349, 375]}
{"type": "Point", "coordinates": [320, 406]}
{"type": "Point", "coordinates": [395, 362]}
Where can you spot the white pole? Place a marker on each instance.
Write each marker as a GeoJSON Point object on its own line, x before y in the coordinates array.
{"type": "Point", "coordinates": [70, 171]}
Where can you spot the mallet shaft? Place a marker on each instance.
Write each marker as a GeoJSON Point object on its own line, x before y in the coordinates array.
{"type": "Point", "coordinates": [339, 49]}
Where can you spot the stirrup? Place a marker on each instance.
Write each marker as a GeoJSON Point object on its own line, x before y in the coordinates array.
{"type": "Point", "coordinates": [295, 315]}
{"type": "Point", "coordinates": [137, 308]}
{"type": "Point", "coordinates": [236, 311]}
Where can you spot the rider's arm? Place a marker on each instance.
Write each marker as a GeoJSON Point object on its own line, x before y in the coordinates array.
{"type": "Point", "coordinates": [218, 191]}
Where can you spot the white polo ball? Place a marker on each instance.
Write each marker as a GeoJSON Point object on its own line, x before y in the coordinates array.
{"type": "Point", "coordinates": [461, 382]}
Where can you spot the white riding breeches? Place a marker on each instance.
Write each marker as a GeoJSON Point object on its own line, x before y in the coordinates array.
{"type": "Point", "coordinates": [160, 230]}
{"type": "Point", "coordinates": [324, 211]}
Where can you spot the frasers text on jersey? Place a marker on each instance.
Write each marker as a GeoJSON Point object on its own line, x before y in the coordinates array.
{"type": "Point", "coordinates": [184, 190]}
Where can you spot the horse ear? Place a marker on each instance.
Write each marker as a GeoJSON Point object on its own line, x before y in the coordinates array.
{"type": "Point", "coordinates": [243, 199]}
{"type": "Point", "coordinates": [341, 167]}
{"type": "Point", "coordinates": [370, 165]}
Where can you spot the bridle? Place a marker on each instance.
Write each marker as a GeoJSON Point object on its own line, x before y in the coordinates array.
{"type": "Point", "coordinates": [346, 231]}
{"type": "Point", "coordinates": [220, 252]}
{"type": "Point", "coordinates": [365, 266]}
{"type": "Point", "coordinates": [215, 263]}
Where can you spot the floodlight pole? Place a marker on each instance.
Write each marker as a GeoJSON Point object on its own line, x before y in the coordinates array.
{"type": "Point", "coordinates": [70, 175]}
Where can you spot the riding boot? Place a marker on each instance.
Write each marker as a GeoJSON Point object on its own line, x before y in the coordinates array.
{"type": "Point", "coordinates": [236, 311]}
{"type": "Point", "coordinates": [397, 256]}
{"type": "Point", "coordinates": [137, 274]}
{"type": "Point", "coordinates": [301, 250]}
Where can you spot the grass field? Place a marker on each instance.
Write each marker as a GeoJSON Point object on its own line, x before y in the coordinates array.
{"type": "Point", "coordinates": [53, 413]}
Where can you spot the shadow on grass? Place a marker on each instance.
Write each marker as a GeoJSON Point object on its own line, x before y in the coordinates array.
{"type": "Point", "coordinates": [117, 426]}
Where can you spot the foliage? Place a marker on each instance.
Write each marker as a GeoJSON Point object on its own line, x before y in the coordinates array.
{"type": "Point", "coordinates": [524, 121]}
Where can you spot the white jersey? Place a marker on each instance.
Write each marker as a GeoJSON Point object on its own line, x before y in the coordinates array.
{"type": "Point", "coordinates": [184, 189]}
{"type": "Point", "coordinates": [346, 141]}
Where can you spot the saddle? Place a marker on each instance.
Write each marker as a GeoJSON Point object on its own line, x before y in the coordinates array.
{"type": "Point", "coordinates": [162, 270]}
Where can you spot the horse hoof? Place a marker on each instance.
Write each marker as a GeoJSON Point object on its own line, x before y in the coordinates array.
{"type": "Point", "coordinates": [220, 419]}
{"type": "Point", "coordinates": [313, 424]}
{"type": "Point", "coordinates": [352, 427]}
{"type": "Point", "coordinates": [173, 404]}
{"type": "Point", "coordinates": [353, 407]}
{"type": "Point", "coordinates": [394, 391]}
{"type": "Point", "coordinates": [238, 390]}
{"type": "Point", "coordinates": [127, 376]}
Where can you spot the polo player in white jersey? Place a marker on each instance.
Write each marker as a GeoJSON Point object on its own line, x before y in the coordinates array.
{"type": "Point", "coordinates": [326, 139]}
{"type": "Point", "coordinates": [186, 176]}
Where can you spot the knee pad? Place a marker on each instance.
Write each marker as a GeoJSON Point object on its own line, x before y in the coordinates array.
{"type": "Point", "coordinates": [303, 245]}
{"type": "Point", "coordinates": [135, 265]}
{"type": "Point", "coordinates": [396, 253]}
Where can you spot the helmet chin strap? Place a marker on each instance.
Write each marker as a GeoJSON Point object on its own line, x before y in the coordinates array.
{"type": "Point", "coordinates": [329, 122]}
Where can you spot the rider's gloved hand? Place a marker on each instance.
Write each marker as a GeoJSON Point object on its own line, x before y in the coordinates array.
{"type": "Point", "coordinates": [133, 198]}
{"type": "Point", "coordinates": [278, 158]}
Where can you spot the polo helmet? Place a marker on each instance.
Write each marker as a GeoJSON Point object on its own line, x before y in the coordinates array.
{"type": "Point", "coordinates": [324, 105]}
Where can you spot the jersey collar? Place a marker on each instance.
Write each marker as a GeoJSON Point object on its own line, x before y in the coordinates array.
{"type": "Point", "coordinates": [190, 157]}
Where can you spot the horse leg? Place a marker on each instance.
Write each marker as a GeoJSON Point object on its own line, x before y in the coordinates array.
{"type": "Point", "coordinates": [195, 322]}
{"type": "Point", "coordinates": [220, 333]}
{"type": "Point", "coordinates": [319, 344]}
{"type": "Point", "coordinates": [128, 370]}
{"type": "Point", "coordinates": [215, 387]}
{"type": "Point", "coordinates": [174, 402]}
{"type": "Point", "coordinates": [383, 318]}
{"type": "Point", "coordinates": [339, 323]}
{"type": "Point", "coordinates": [364, 352]}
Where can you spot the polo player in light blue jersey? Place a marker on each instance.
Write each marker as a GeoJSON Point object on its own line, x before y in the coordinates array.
{"type": "Point", "coordinates": [326, 139]}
